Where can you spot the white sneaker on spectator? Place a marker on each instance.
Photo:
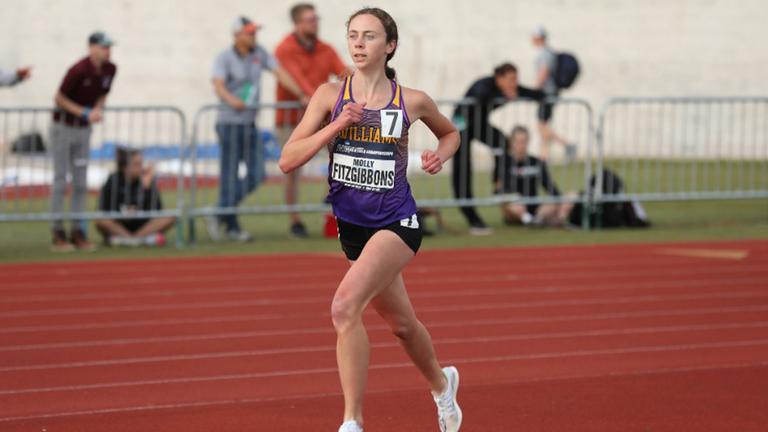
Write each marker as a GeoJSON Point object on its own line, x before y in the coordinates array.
{"type": "Point", "coordinates": [448, 412]}
{"type": "Point", "coordinates": [479, 229]}
{"type": "Point", "coordinates": [154, 240]}
{"type": "Point", "coordinates": [240, 236]}
{"type": "Point", "coordinates": [125, 241]}
{"type": "Point", "coordinates": [350, 426]}
{"type": "Point", "coordinates": [212, 224]}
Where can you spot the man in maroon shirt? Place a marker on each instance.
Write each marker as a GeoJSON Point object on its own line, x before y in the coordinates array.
{"type": "Point", "coordinates": [79, 103]}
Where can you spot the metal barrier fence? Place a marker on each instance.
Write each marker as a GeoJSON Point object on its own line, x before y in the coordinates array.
{"type": "Point", "coordinates": [27, 172]}
{"type": "Point", "coordinates": [662, 148]}
{"type": "Point", "coordinates": [214, 195]}
{"type": "Point", "coordinates": [683, 148]}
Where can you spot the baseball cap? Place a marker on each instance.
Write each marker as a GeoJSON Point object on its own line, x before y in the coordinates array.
{"type": "Point", "coordinates": [100, 38]}
{"type": "Point", "coordinates": [242, 23]}
{"type": "Point", "coordinates": [540, 31]}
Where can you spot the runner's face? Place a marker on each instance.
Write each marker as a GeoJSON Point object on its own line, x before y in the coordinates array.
{"type": "Point", "coordinates": [367, 42]}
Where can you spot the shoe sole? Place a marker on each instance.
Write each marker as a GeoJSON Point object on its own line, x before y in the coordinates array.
{"type": "Point", "coordinates": [455, 373]}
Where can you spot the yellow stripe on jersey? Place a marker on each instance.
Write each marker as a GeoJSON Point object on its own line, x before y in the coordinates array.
{"type": "Point", "coordinates": [396, 100]}
{"type": "Point", "coordinates": [347, 84]}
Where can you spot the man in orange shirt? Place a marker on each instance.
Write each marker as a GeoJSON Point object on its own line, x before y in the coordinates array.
{"type": "Point", "coordinates": [310, 62]}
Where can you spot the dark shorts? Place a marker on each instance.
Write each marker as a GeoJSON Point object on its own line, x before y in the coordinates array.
{"type": "Point", "coordinates": [532, 208]}
{"type": "Point", "coordinates": [132, 225]}
{"type": "Point", "coordinates": [354, 237]}
{"type": "Point", "coordinates": [545, 111]}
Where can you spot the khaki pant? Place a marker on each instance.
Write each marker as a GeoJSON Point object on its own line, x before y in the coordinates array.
{"type": "Point", "coordinates": [70, 148]}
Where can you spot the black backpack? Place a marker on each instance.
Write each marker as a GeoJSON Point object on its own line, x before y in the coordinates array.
{"type": "Point", "coordinates": [566, 70]}
{"type": "Point", "coordinates": [29, 143]}
{"type": "Point", "coordinates": [617, 214]}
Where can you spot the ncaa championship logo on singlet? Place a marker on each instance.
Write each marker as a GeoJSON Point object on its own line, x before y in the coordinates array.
{"type": "Point", "coordinates": [364, 156]}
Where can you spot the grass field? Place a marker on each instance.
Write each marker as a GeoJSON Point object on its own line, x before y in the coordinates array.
{"type": "Point", "coordinates": [703, 220]}
{"type": "Point", "coordinates": [700, 220]}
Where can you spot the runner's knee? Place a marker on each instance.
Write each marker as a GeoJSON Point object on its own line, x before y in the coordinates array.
{"type": "Point", "coordinates": [344, 312]}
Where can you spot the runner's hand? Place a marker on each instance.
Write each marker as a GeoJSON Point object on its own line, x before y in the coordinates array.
{"type": "Point", "coordinates": [430, 162]}
{"type": "Point", "coordinates": [351, 113]}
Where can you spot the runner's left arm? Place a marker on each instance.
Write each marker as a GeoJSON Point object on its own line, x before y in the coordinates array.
{"type": "Point", "coordinates": [448, 138]}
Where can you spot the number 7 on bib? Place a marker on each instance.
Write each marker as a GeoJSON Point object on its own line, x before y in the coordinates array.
{"type": "Point", "coordinates": [391, 123]}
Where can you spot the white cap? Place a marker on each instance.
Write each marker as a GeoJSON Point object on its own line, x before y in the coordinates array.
{"type": "Point", "coordinates": [540, 31]}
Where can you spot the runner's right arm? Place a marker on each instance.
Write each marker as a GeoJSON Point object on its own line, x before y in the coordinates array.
{"type": "Point", "coordinates": [308, 138]}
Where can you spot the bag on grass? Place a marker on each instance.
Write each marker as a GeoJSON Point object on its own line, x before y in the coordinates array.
{"type": "Point", "coordinates": [628, 213]}
{"type": "Point", "coordinates": [29, 143]}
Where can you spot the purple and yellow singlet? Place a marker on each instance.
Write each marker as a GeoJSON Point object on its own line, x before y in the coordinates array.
{"type": "Point", "coordinates": [368, 164]}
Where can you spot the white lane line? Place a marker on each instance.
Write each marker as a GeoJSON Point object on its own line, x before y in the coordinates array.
{"type": "Point", "coordinates": [301, 287]}
{"type": "Point", "coordinates": [491, 306]}
{"type": "Point", "coordinates": [210, 404]}
{"type": "Point", "coordinates": [528, 272]}
{"type": "Point", "coordinates": [314, 287]}
{"type": "Point", "coordinates": [110, 273]}
{"type": "Point", "coordinates": [469, 360]}
{"type": "Point", "coordinates": [245, 401]}
{"type": "Point", "coordinates": [600, 301]}
{"type": "Point", "coordinates": [191, 305]}
{"type": "Point", "coordinates": [444, 341]}
{"type": "Point", "coordinates": [295, 316]}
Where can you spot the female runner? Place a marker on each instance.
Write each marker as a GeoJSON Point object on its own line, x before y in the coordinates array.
{"type": "Point", "coordinates": [364, 121]}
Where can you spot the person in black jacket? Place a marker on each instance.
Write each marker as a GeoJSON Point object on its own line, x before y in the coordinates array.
{"type": "Point", "coordinates": [473, 122]}
{"type": "Point", "coordinates": [522, 175]}
{"type": "Point", "coordinates": [130, 189]}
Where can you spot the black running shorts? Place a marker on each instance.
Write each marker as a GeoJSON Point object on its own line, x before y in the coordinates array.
{"type": "Point", "coordinates": [354, 237]}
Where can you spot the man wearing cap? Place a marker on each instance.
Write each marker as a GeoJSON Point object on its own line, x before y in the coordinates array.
{"type": "Point", "coordinates": [237, 83]}
{"type": "Point", "coordinates": [79, 103]}
{"type": "Point", "coordinates": [310, 62]}
{"type": "Point", "coordinates": [546, 62]}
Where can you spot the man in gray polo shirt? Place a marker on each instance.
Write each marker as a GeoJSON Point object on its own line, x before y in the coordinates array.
{"type": "Point", "coordinates": [546, 62]}
{"type": "Point", "coordinates": [237, 83]}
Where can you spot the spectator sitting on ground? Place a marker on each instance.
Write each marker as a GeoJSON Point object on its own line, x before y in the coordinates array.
{"type": "Point", "coordinates": [522, 175]}
{"type": "Point", "coordinates": [132, 188]}
{"type": "Point", "coordinates": [473, 121]}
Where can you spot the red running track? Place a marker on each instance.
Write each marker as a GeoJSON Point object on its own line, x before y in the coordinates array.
{"type": "Point", "coordinates": [652, 337]}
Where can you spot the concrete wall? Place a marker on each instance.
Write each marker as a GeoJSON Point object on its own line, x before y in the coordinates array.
{"type": "Point", "coordinates": [165, 47]}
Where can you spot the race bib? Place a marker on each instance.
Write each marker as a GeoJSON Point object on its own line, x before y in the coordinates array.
{"type": "Point", "coordinates": [391, 123]}
{"type": "Point", "coordinates": [370, 167]}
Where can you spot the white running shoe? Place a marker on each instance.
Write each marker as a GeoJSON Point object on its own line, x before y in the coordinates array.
{"type": "Point", "coordinates": [212, 224]}
{"type": "Point", "coordinates": [448, 411]}
{"type": "Point", "coordinates": [350, 426]}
